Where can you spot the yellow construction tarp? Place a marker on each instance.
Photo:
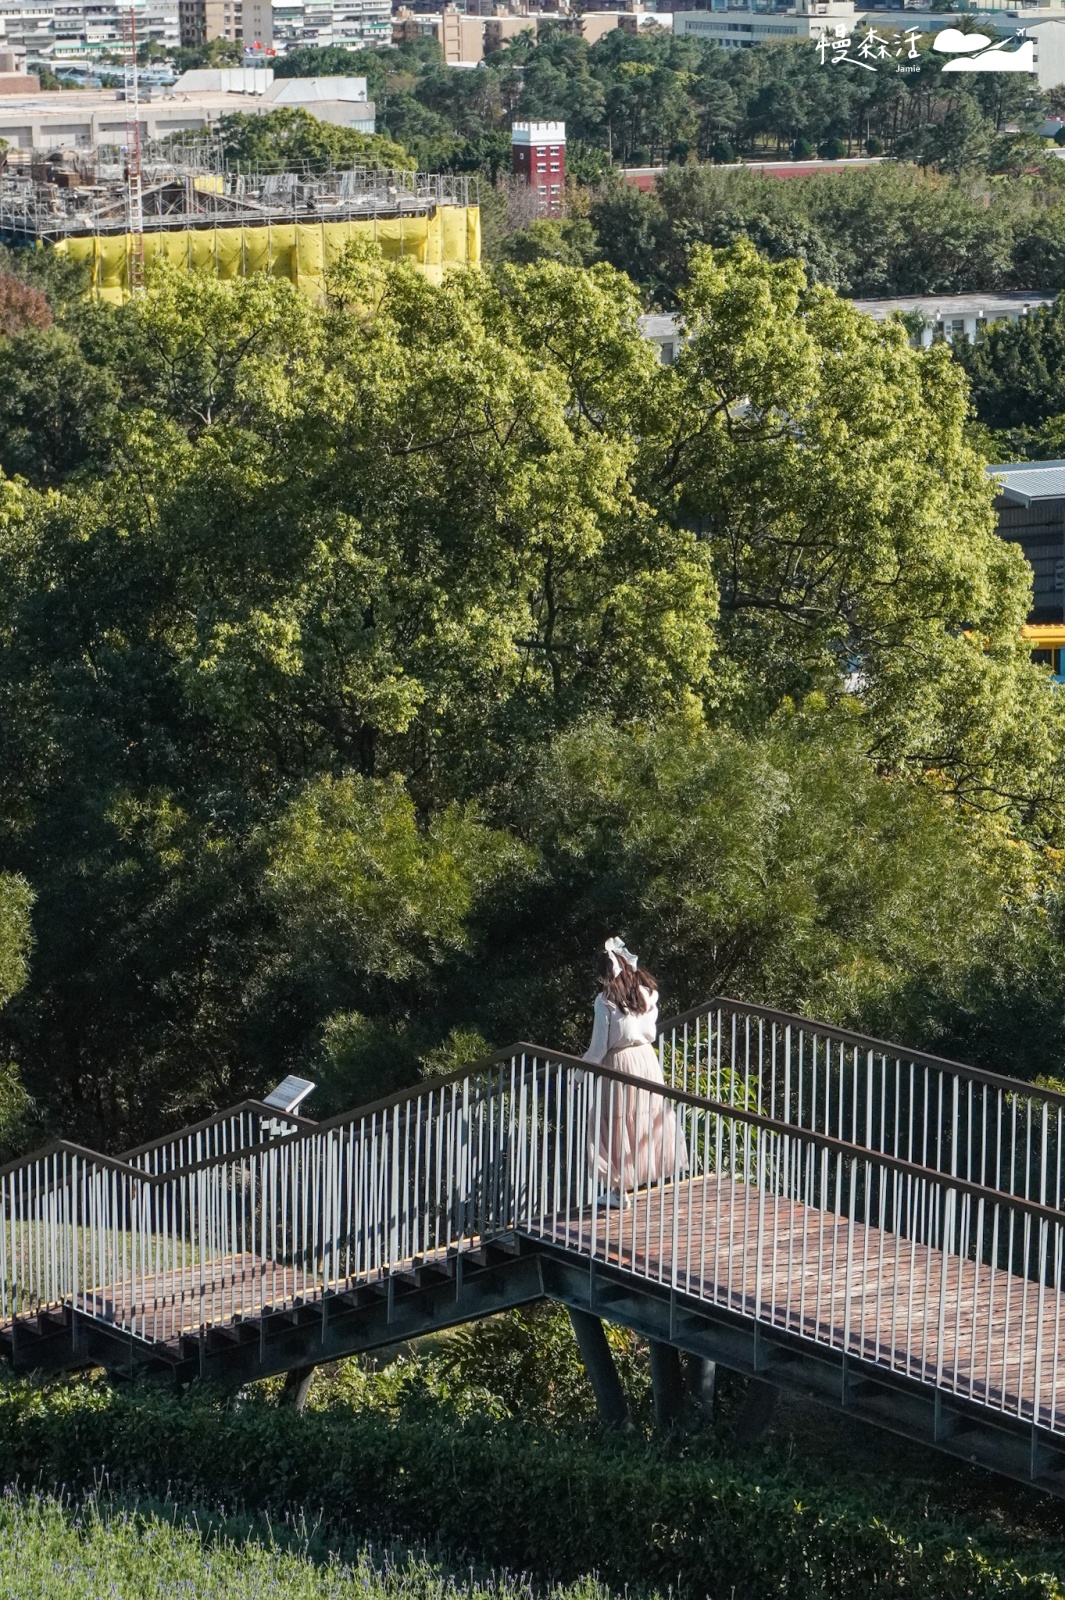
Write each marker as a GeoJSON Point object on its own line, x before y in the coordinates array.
{"type": "Point", "coordinates": [302, 252]}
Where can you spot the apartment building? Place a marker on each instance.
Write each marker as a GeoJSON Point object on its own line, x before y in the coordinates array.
{"type": "Point", "coordinates": [202, 20]}
{"type": "Point", "coordinates": [348, 23]}
{"type": "Point", "coordinates": [57, 31]}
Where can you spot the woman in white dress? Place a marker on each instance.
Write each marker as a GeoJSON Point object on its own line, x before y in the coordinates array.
{"type": "Point", "coordinates": [637, 1140]}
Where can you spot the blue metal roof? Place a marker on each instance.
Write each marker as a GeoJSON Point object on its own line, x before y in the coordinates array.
{"type": "Point", "coordinates": [1025, 481]}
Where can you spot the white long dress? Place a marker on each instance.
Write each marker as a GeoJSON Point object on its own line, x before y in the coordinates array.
{"type": "Point", "coordinates": [637, 1139]}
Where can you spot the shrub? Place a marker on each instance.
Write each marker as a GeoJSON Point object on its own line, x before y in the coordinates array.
{"type": "Point", "coordinates": [516, 1496]}
{"type": "Point", "coordinates": [21, 306]}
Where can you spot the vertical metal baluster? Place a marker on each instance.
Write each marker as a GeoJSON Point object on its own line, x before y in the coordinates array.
{"type": "Point", "coordinates": [1009, 1298]}
{"type": "Point", "coordinates": [1056, 1342]}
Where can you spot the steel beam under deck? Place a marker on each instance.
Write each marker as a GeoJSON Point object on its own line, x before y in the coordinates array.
{"type": "Point", "coordinates": [513, 1271]}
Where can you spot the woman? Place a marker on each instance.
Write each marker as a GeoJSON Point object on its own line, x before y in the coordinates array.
{"type": "Point", "coordinates": [638, 1141]}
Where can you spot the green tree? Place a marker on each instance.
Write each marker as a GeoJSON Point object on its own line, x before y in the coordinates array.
{"type": "Point", "coordinates": [573, 242]}
{"type": "Point", "coordinates": [325, 543]}
{"type": "Point", "coordinates": [212, 53]}
{"type": "Point", "coordinates": [16, 903]}
{"type": "Point", "coordinates": [844, 558]}
{"type": "Point", "coordinates": [350, 684]}
{"type": "Point", "coordinates": [53, 405]}
{"type": "Point", "coordinates": [778, 865]}
{"type": "Point", "coordinates": [1017, 369]}
{"type": "Point", "coordinates": [279, 141]}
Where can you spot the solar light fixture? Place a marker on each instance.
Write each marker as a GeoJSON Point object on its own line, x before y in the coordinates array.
{"type": "Point", "coordinates": [289, 1094]}
{"type": "Point", "coordinates": [284, 1099]}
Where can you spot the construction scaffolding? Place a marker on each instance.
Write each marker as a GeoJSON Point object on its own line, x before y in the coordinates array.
{"type": "Point", "coordinates": [197, 213]}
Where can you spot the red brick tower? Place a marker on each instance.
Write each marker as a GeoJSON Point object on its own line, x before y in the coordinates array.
{"type": "Point", "coordinates": [538, 151]}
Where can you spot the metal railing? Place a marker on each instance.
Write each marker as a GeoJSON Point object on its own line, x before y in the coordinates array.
{"type": "Point", "coordinates": [236, 1128]}
{"type": "Point", "coordinates": [951, 1118]}
{"type": "Point", "coordinates": [175, 199]}
{"type": "Point", "coordinates": [930, 1273]}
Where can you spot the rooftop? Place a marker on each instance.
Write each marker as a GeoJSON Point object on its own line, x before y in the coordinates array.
{"type": "Point", "coordinates": [938, 307]}
{"type": "Point", "coordinates": [1025, 481]}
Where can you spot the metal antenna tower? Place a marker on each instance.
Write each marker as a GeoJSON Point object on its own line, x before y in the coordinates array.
{"type": "Point", "coordinates": [134, 182]}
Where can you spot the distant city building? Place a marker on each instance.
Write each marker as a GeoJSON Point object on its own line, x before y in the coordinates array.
{"type": "Point", "coordinates": [466, 36]}
{"type": "Point", "coordinates": [51, 32]}
{"type": "Point", "coordinates": [538, 154]}
{"type": "Point", "coordinates": [203, 20]}
{"type": "Point", "coordinates": [84, 120]}
{"type": "Point", "coordinates": [949, 317]}
{"type": "Point", "coordinates": [595, 24]}
{"type": "Point", "coordinates": [351, 24]}
{"type": "Point", "coordinates": [739, 27]}
{"type": "Point", "coordinates": [957, 316]}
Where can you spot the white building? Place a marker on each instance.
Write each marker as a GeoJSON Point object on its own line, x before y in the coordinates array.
{"type": "Point", "coordinates": [54, 31]}
{"type": "Point", "coordinates": [351, 24]}
{"type": "Point", "coordinates": [740, 27]}
{"type": "Point", "coordinates": [76, 120]}
{"type": "Point", "coordinates": [362, 22]}
{"type": "Point", "coordinates": [943, 316]}
{"type": "Point", "coordinates": [957, 316]}
{"type": "Point", "coordinates": [29, 27]}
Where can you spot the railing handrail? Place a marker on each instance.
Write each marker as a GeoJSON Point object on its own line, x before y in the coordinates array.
{"type": "Point", "coordinates": [719, 1108]}
{"type": "Point", "coordinates": [124, 1161]}
{"type": "Point", "coordinates": [880, 1047]}
{"type": "Point", "coordinates": [305, 1127]}
{"type": "Point", "coordinates": [191, 1129]}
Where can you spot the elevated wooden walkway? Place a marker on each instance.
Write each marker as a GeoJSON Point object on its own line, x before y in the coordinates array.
{"type": "Point", "coordinates": [879, 1228]}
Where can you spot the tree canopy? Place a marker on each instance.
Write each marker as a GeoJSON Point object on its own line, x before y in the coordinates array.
{"type": "Point", "coordinates": [365, 664]}
{"type": "Point", "coordinates": [654, 97]}
{"type": "Point", "coordinates": [291, 139]}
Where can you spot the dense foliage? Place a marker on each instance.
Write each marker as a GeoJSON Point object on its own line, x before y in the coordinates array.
{"type": "Point", "coordinates": [887, 230]}
{"type": "Point", "coordinates": [647, 98]}
{"type": "Point", "coordinates": [363, 665]}
{"type": "Point", "coordinates": [691, 1517]}
{"type": "Point", "coordinates": [59, 1550]}
{"type": "Point", "coordinates": [292, 140]}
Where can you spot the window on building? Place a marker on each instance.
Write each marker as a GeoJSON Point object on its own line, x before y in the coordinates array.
{"type": "Point", "coordinates": [1049, 658]}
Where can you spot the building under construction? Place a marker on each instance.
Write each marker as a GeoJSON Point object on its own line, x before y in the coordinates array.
{"type": "Point", "coordinates": [193, 212]}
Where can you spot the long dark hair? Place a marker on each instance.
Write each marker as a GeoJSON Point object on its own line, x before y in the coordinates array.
{"type": "Point", "coordinates": [627, 989]}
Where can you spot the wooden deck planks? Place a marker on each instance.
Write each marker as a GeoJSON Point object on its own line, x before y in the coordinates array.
{"type": "Point", "coordinates": [971, 1329]}
{"type": "Point", "coordinates": [887, 1299]}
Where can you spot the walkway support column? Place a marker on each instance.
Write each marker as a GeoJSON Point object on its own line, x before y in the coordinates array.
{"type": "Point", "coordinates": [756, 1413]}
{"type": "Point", "coordinates": [667, 1385]}
{"type": "Point", "coordinates": [297, 1387]}
{"type": "Point", "coordinates": [700, 1384]}
{"type": "Point", "coordinates": [599, 1365]}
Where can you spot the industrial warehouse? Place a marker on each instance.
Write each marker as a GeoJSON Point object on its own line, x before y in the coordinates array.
{"type": "Point", "coordinates": [190, 211]}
